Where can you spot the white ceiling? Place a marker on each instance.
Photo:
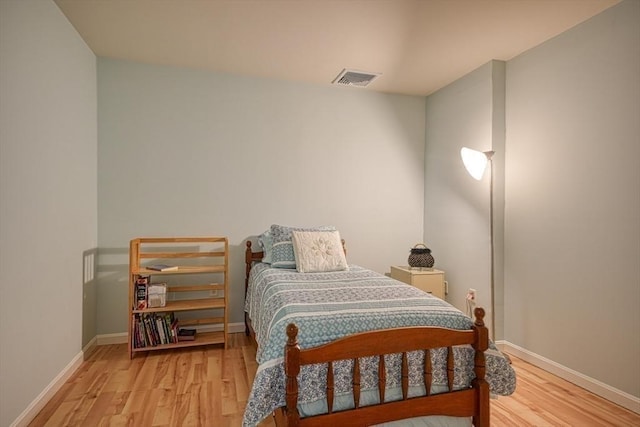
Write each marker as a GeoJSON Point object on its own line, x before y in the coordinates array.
{"type": "Point", "coordinates": [419, 46]}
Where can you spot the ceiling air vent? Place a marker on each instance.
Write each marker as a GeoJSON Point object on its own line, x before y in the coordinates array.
{"type": "Point", "coordinates": [355, 78]}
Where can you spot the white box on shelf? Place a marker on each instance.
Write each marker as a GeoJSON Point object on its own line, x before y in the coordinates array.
{"type": "Point", "coordinates": [157, 295]}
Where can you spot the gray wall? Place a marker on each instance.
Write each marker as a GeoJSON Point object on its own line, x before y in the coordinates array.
{"type": "Point", "coordinates": [467, 113]}
{"type": "Point", "coordinates": [568, 184]}
{"type": "Point", "coordinates": [572, 259]}
{"type": "Point", "coordinates": [186, 152]}
{"type": "Point", "coordinates": [48, 196]}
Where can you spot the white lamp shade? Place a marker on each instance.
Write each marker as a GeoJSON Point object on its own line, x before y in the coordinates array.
{"type": "Point", "coordinates": [474, 161]}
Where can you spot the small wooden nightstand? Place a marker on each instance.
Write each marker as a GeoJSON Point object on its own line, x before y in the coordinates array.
{"type": "Point", "coordinates": [429, 280]}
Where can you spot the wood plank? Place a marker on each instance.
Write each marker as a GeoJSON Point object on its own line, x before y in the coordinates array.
{"type": "Point", "coordinates": [187, 304]}
{"type": "Point", "coordinates": [196, 288]}
{"type": "Point", "coordinates": [177, 255]}
{"type": "Point", "coordinates": [182, 269]}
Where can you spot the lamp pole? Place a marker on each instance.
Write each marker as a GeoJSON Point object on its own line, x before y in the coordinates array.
{"type": "Point", "coordinates": [489, 155]}
{"type": "Point", "coordinates": [476, 163]}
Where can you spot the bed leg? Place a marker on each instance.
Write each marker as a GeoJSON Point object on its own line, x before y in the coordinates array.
{"type": "Point", "coordinates": [279, 418]}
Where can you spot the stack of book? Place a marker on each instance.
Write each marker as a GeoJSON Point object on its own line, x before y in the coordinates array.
{"type": "Point", "coordinates": [152, 329]}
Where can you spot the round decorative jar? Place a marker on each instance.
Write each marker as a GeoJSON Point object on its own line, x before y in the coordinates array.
{"type": "Point", "coordinates": [420, 257]}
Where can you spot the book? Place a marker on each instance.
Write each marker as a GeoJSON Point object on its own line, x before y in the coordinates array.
{"type": "Point", "coordinates": [186, 334]}
{"type": "Point", "coordinates": [160, 327]}
{"type": "Point", "coordinates": [148, 328]}
{"type": "Point", "coordinates": [171, 324]}
{"type": "Point", "coordinates": [142, 282]}
{"type": "Point", "coordinates": [174, 330]}
{"type": "Point", "coordinates": [162, 267]}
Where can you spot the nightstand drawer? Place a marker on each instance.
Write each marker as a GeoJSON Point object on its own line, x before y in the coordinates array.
{"type": "Point", "coordinates": [431, 281]}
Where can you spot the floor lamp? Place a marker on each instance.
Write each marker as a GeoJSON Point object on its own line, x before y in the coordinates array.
{"type": "Point", "coordinates": [476, 163]}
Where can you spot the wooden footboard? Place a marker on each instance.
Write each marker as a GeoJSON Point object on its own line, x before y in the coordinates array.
{"type": "Point", "coordinates": [471, 402]}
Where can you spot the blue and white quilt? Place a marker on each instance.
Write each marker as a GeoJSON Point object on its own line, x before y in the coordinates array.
{"type": "Point", "coordinates": [331, 305]}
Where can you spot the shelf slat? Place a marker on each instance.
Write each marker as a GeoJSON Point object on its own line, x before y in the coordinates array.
{"type": "Point", "coordinates": [188, 304]}
{"type": "Point", "coordinates": [206, 321]}
{"type": "Point", "coordinates": [202, 338]}
{"type": "Point", "coordinates": [176, 255]}
{"type": "Point", "coordinates": [182, 269]}
{"type": "Point", "coordinates": [181, 239]}
{"type": "Point", "coordinates": [196, 288]}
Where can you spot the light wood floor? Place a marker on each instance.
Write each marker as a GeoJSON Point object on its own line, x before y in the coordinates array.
{"type": "Point", "coordinates": [208, 386]}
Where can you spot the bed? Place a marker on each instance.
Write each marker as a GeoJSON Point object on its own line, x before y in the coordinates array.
{"type": "Point", "coordinates": [354, 347]}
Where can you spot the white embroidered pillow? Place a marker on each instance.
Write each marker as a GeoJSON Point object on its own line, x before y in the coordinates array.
{"type": "Point", "coordinates": [318, 251]}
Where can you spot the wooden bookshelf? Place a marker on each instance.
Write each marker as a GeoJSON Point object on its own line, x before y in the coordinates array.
{"type": "Point", "coordinates": [199, 259]}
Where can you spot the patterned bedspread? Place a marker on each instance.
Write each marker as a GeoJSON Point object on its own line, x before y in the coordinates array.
{"type": "Point", "coordinates": [327, 306]}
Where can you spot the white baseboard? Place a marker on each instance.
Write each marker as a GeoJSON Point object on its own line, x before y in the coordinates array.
{"type": "Point", "coordinates": [121, 337]}
{"type": "Point", "coordinates": [603, 390]}
{"type": "Point", "coordinates": [107, 339]}
{"type": "Point", "coordinates": [49, 391]}
{"type": "Point", "coordinates": [89, 348]}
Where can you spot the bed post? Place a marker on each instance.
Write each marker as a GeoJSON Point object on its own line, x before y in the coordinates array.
{"type": "Point", "coordinates": [291, 371]}
{"type": "Point", "coordinates": [248, 259]}
{"type": "Point", "coordinates": [481, 418]}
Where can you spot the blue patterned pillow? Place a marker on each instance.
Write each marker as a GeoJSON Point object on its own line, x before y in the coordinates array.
{"type": "Point", "coordinates": [266, 243]}
{"type": "Point", "coordinates": [282, 255]}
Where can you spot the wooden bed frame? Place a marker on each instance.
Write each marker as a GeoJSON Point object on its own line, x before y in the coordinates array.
{"type": "Point", "coordinates": [471, 402]}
